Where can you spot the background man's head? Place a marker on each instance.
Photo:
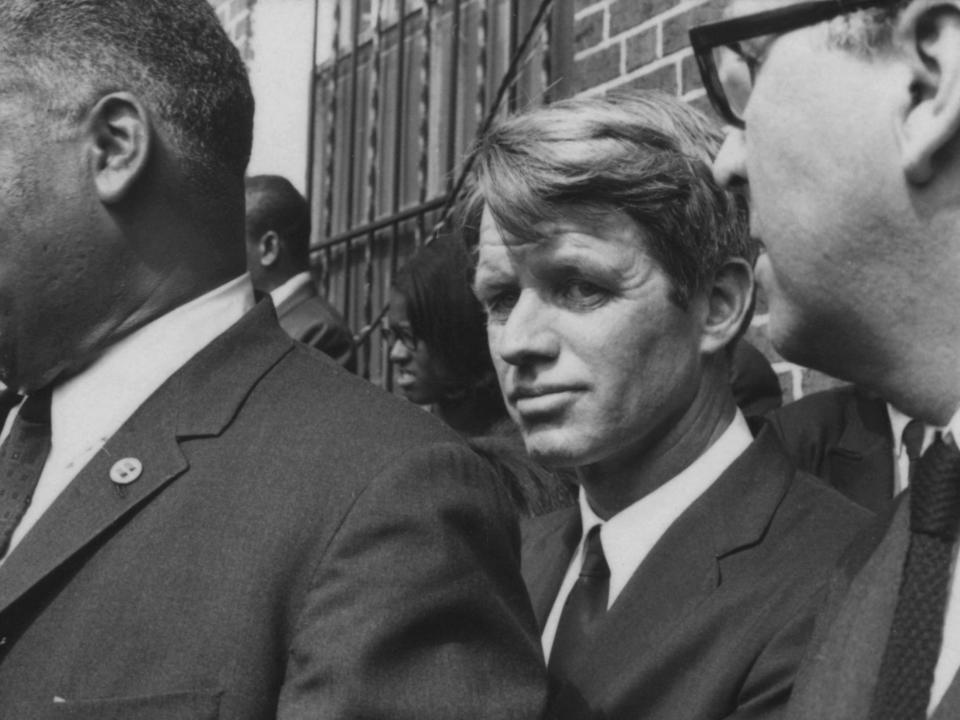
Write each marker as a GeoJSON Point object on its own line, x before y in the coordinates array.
{"type": "Point", "coordinates": [125, 129]}
{"type": "Point", "coordinates": [277, 231]}
{"type": "Point", "coordinates": [849, 146]}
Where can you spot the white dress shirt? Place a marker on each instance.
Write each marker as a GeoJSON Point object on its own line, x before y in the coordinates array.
{"type": "Point", "coordinates": [629, 536]}
{"type": "Point", "coordinates": [91, 406]}
{"type": "Point", "coordinates": [949, 661]}
{"type": "Point", "coordinates": [901, 461]}
{"type": "Point", "coordinates": [282, 292]}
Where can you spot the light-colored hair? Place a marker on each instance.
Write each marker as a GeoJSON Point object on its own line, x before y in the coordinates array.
{"type": "Point", "coordinates": [646, 154]}
{"type": "Point", "coordinates": [866, 33]}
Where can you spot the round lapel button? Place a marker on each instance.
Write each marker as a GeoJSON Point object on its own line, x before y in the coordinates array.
{"type": "Point", "coordinates": [125, 471]}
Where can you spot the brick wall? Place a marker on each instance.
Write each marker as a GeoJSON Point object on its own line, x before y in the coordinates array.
{"type": "Point", "coordinates": [235, 15]}
{"type": "Point", "coordinates": [629, 44]}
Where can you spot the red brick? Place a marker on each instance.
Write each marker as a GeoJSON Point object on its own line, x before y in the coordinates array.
{"type": "Point", "coordinates": [597, 68]}
{"type": "Point", "coordinates": [588, 31]}
{"type": "Point", "coordinates": [664, 78]}
{"type": "Point", "coordinates": [675, 29]}
{"type": "Point", "coordinates": [627, 14]}
{"type": "Point", "coordinates": [641, 48]}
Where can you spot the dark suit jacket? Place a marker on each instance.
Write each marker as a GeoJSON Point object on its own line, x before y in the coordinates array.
{"type": "Point", "coordinates": [714, 621]}
{"type": "Point", "coordinates": [839, 675]}
{"type": "Point", "coordinates": [843, 436]}
{"type": "Point", "coordinates": [756, 387]}
{"type": "Point", "coordinates": [299, 545]}
{"type": "Point", "coordinates": [308, 318]}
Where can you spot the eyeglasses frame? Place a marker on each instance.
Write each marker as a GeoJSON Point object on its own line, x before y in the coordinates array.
{"type": "Point", "coordinates": [405, 335]}
{"type": "Point", "coordinates": [704, 38]}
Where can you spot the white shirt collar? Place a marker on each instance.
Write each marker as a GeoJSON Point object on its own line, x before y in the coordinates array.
{"type": "Point", "coordinates": [282, 292]}
{"type": "Point", "coordinates": [89, 407]}
{"type": "Point", "coordinates": [630, 535]}
{"type": "Point", "coordinates": [953, 427]}
{"type": "Point", "coordinates": [898, 422]}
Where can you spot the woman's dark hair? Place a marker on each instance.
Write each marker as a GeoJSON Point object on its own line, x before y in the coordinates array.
{"type": "Point", "coordinates": [446, 316]}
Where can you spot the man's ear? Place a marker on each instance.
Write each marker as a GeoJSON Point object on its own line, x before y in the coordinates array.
{"type": "Point", "coordinates": [122, 142]}
{"type": "Point", "coordinates": [928, 34]}
{"type": "Point", "coordinates": [269, 248]}
{"type": "Point", "coordinates": [729, 301]}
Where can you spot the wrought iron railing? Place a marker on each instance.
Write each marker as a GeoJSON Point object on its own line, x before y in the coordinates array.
{"type": "Point", "coordinates": [404, 89]}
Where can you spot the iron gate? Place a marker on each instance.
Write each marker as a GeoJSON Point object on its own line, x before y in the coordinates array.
{"type": "Point", "coordinates": [400, 89]}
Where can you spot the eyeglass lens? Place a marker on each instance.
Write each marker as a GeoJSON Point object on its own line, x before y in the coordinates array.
{"type": "Point", "coordinates": [391, 334]}
{"type": "Point", "coordinates": [736, 77]}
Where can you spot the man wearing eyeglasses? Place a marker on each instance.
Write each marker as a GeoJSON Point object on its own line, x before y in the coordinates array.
{"type": "Point", "coordinates": [845, 129]}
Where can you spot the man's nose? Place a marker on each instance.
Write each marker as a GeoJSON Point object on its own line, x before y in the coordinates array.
{"type": "Point", "coordinates": [526, 335]}
{"type": "Point", "coordinates": [730, 167]}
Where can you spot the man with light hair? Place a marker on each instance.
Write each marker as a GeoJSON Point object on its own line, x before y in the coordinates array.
{"type": "Point", "coordinates": [616, 276]}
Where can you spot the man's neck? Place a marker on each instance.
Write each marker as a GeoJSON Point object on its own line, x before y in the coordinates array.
{"type": "Point", "coordinates": [614, 485]}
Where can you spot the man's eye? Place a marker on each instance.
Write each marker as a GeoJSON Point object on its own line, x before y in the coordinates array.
{"type": "Point", "coordinates": [584, 294]}
{"type": "Point", "coordinates": [498, 305]}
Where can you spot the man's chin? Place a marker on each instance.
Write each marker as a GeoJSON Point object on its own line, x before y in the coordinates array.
{"type": "Point", "coordinates": [551, 450]}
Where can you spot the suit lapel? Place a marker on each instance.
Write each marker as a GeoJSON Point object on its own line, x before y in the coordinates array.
{"type": "Point", "coordinates": [548, 545]}
{"type": "Point", "coordinates": [686, 565]}
{"type": "Point", "coordinates": [841, 674]}
{"type": "Point", "coordinates": [199, 401]}
{"type": "Point", "coordinates": [949, 706]}
{"type": "Point", "coordinates": [861, 463]}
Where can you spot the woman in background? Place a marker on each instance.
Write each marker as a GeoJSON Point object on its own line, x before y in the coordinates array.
{"type": "Point", "coordinates": [435, 330]}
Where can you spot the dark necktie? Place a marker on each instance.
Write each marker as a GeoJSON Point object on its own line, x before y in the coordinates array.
{"type": "Point", "coordinates": [913, 646]}
{"type": "Point", "coordinates": [585, 606]}
{"type": "Point", "coordinates": [913, 434]}
{"type": "Point", "coordinates": [22, 458]}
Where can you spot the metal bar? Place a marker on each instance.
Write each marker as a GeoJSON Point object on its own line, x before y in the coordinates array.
{"type": "Point", "coordinates": [514, 38]}
{"type": "Point", "coordinates": [482, 22]}
{"type": "Point", "coordinates": [545, 65]}
{"type": "Point", "coordinates": [331, 121]}
{"type": "Point", "coordinates": [452, 100]}
{"type": "Point", "coordinates": [398, 148]}
{"type": "Point", "coordinates": [354, 66]}
{"type": "Point", "coordinates": [373, 158]}
{"type": "Point", "coordinates": [508, 79]}
{"type": "Point", "coordinates": [400, 115]}
{"type": "Point", "coordinates": [560, 42]}
{"type": "Point", "coordinates": [424, 108]}
{"type": "Point", "coordinates": [347, 277]}
{"type": "Point", "coordinates": [437, 202]}
{"type": "Point", "coordinates": [351, 154]}
{"type": "Point", "coordinates": [312, 110]}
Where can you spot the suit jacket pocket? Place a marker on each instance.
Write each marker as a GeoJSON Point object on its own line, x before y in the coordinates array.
{"type": "Point", "coordinates": [172, 706]}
